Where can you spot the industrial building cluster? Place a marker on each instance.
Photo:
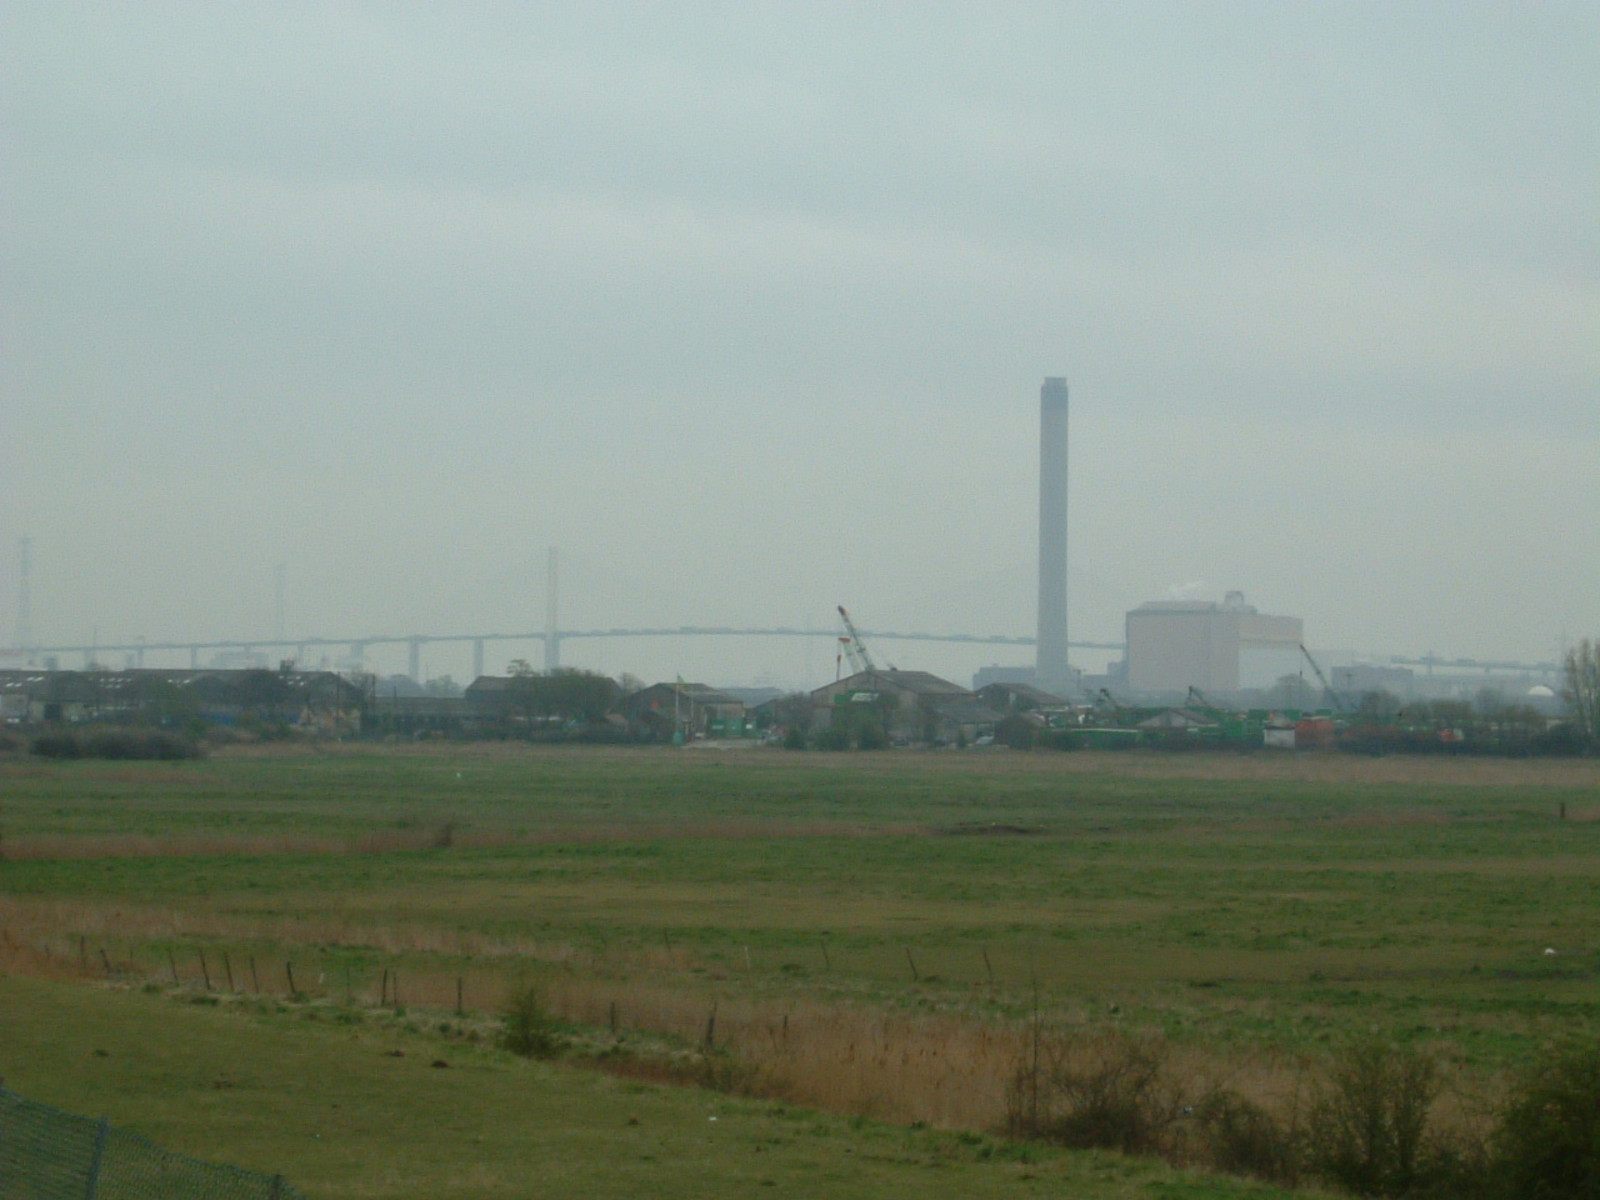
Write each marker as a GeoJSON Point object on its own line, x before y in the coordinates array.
{"type": "Point", "coordinates": [1192, 670]}
{"type": "Point", "coordinates": [869, 708]}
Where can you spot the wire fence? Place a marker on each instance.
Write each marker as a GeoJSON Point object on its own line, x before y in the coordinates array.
{"type": "Point", "coordinates": [47, 1154]}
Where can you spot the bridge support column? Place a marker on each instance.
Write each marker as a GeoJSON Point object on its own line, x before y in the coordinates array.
{"type": "Point", "coordinates": [415, 661]}
{"type": "Point", "coordinates": [194, 658]}
{"type": "Point", "coordinates": [477, 657]}
{"type": "Point", "coordinates": [552, 651]}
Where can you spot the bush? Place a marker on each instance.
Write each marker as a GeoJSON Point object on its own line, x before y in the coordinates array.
{"type": "Point", "coordinates": [1548, 1140]}
{"type": "Point", "coordinates": [115, 744]}
{"type": "Point", "coordinates": [1367, 1129]}
{"type": "Point", "coordinates": [871, 737]}
{"type": "Point", "coordinates": [1059, 739]}
{"type": "Point", "coordinates": [1017, 732]}
{"type": "Point", "coordinates": [832, 738]}
{"type": "Point", "coordinates": [600, 733]}
{"type": "Point", "coordinates": [139, 744]}
{"type": "Point", "coordinates": [525, 1027]}
{"type": "Point", "coordinates": [60, 743]}
{"type": "Point", "coordinates": [1241, 1137]}
{"type": "Point", "coordinates": [1112, 1091]}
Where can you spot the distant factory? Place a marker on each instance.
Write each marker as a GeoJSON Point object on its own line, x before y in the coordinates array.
{"type": "Point", "coordinates": [1224, 648]}
{"type": "Point", "coordinates": [1171, 645]}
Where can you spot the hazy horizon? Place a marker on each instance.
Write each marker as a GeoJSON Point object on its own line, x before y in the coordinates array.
{"type": "Point", "coordinates": [746, 307]}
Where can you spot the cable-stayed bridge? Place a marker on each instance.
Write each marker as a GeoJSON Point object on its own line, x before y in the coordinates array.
{"type": "Point", "coordinates": [356, 647]}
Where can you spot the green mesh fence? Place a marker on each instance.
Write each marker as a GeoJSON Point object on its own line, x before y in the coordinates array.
{"type": "Point", "coordinates": [47, 1154]}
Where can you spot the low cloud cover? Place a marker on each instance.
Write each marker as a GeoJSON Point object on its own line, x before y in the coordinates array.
{"type": "Point", "coordinates": [746, 307]}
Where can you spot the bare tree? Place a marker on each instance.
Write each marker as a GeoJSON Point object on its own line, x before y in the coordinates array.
{"type": "Point", "coordinates": [1583, 688]}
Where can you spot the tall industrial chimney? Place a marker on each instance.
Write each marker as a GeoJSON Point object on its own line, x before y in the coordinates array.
{"type": "Point", "coordinates": [25, 599]}
{"type": "Point", "coordinates": [1050, 665]}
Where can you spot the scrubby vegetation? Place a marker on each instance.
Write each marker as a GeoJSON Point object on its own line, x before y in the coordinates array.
{"type": "Point", "coordinates": [1547, 1142]}
{"type": "Point", "coordinates": [526, 1027]}
{"type": "Point", "coordinates": [114, 743]}
{"type": "Point", "coordinates": [1366, 1118]}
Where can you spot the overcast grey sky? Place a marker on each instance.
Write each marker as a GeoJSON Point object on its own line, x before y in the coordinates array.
{"type": "Point", "coordinates": [746, 306]}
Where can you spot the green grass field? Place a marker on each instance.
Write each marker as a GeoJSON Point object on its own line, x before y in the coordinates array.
{"type": "Point", "coordinates": [868, 934]}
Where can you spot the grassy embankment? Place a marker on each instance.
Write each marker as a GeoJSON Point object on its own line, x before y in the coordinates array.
{"type": "Point", "coordinates": [365, 1113]}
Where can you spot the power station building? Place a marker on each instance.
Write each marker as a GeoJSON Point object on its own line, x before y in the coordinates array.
{"type": "Point", "coordinates": [1229, 647]}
